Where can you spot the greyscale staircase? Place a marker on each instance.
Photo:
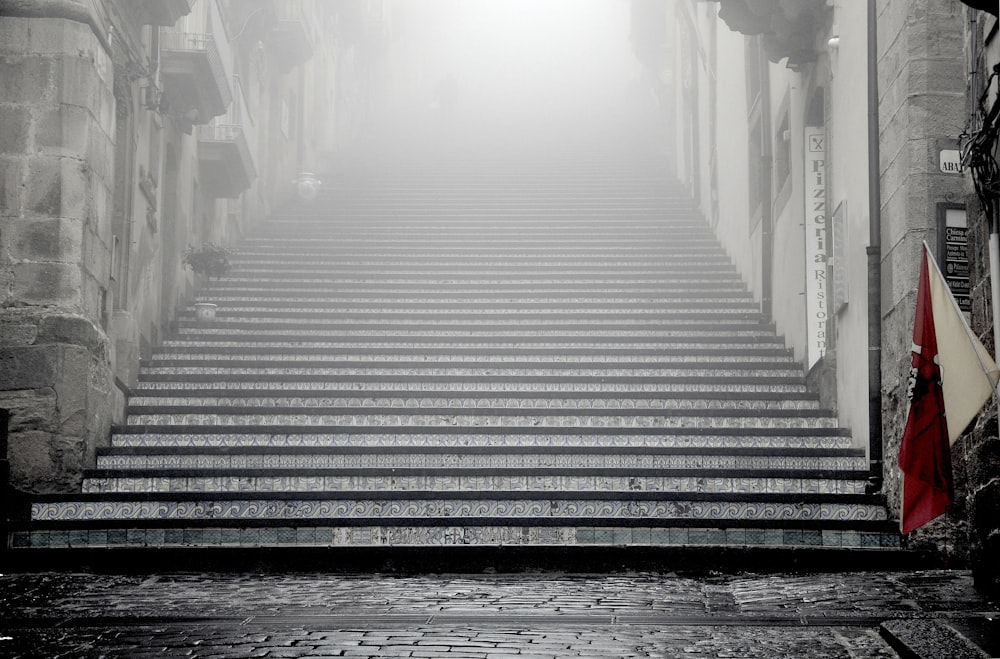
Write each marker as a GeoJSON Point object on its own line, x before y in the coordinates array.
{"type": "Point", "coordinates": [482, 356]}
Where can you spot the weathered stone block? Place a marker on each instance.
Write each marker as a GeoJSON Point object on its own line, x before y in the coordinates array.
{"type": "Point", "coordinates": [14, 124]}
{"type": "Point", "coordinates": [31, 464]}
{"type": "Point", "coordinates": [73, 330]}
{"type": "Point", "coordinates": [29, 367]}
{"type": "Point", "coordinates": [11, 187]}
{"type": "Point", "coordinates": [57, 187]}
{"type": "Point", "coordinates": [30, 409]}
{"type": "Point", "coordinates": [65, 27]}
{"type": "Point", "coordinates": [27, 80]}
{"type": "Point", "coordinates": [17, 329]}
{"type": "Point", "coordinates": [13, 35]}
{"type": "Point", "coordinates": [78, 83]}
{"type": "Point", "coordinates": [56, 284]}
{"type": "Point", "coordinates": [47, 240]}
{"type": "Point", "coordinates": [125, 356]}
{"type": "Point", "coordinates": [938, 76]}
{"type": "Point", "coordinates": [64, 131]}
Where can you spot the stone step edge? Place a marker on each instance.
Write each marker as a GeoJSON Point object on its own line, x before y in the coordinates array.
{"type": "Point", "coordinates": [637, 380]}
{"type": "Point", "coordinates": [471, 395]}
{"type": "Point", "coordinates": [499, 472]}
{"type": "Point", "coordinates": [584, 546]}
{"type": "Point", "coordinates": [888, 527]}
{"type": "Point", "coordinates": [555, 449]}
{"type": "Point", "coordinates": [806, 498]}
{"type": "Point", "coordinates": [477, 411]}
{"type": "Point", "coordinates": [289, 429]}
{"type": "Point", "coordinates": [321, 359]}
{"type": "Point", "coordinates": [492, 350]}
{"type": "Point", "coordinates": [683, 344]}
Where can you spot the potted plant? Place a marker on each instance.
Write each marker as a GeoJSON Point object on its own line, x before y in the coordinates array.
{"type": "Point", "coordinates": [209, 260]}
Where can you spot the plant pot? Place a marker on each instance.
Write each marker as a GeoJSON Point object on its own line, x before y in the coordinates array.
{"type": "Point", "coordinates": [205, 310]}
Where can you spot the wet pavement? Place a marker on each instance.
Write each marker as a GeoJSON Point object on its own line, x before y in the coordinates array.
{"type": "Point", "coordinates": [488, 615]}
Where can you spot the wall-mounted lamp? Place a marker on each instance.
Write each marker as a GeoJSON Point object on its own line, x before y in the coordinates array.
{"type": "Point", "coordinates": [834, 40]}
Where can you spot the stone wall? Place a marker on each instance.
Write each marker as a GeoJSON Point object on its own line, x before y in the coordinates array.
{"type": "Point", "coordinates": [57, 114]}
{"type": "Point", "coordinates": [979, 477]}
{"type": "Point", "coordinates": [921, 105]}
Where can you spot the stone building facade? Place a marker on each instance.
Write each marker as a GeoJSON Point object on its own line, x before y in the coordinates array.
{"type": "Point", "coordinates": [772, 133]}
{"type": "Point", "coordinates": [131, 131]}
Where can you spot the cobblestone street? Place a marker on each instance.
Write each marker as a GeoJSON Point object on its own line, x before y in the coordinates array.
{"type": "Point", "coordinates": [490, 616]}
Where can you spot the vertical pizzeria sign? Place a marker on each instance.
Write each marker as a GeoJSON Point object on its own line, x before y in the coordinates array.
{"type": "Point", "coordinates": [817, 286]}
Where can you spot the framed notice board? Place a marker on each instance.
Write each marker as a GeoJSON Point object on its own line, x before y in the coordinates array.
{"type": "Point", "coordinates": [953, 252]}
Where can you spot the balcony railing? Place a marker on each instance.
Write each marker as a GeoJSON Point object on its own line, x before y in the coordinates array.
{"type": "Point", "coordinates": [293, 34]}
{"type": "Point", "coordinates": [227, 149]}
{"type": "Point", "coordinates": [193, 62]}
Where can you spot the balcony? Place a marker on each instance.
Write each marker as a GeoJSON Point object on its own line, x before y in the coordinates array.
{"type": "Point", "coordinates": [292, 37]}
{"type": "Point", "coordinates": [227, 151]}
{"type": "Point", "coordinates": [194, 75]}
{"type": "Point", "coordinates": [162, 12]}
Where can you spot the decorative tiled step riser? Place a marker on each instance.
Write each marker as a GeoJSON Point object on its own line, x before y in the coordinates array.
{"type": "Point", "coordinates": [393, 264]}
{"type": "Point", "coordinates": [460, 460]}
{"type": "Point", "coordinates": [289, 370]}
{"type": "Point", "coordinates": [526, 242]}
{"type": "Point", "coordinates": [505, 226]}
{"type": "Point", "coordinates": [148, 391]}
{"type": "Point", "coordinates": [332, 321]}
{"type": "Point", "coordinates": [474, 271]}
{"type": "Point", "coordinates": [438, 285]}
{"type": "Point", "coordinates": [533, 306]}
{"type": "Point", "coordinates": [468, 216]}
{"type": "Point", "coordinates": [411, 404]}
{"type": "Point", "coordinates": [382, 483]}
{"type": "Point", "coordinates": [361, 440]}
{"type": "Point", "coordinates": [572, 334]}
{"type": "Point", "coordinates": [486, 243]}
{"type": "Point", "coordinates": [348, 253]}
{"type": "Point", "coordinates": [291, 509]}
{"type": "Point", "coordinates": [209, 340]}
{"type": "Point", "coordinates": [253, 294]}
{"type": "Point", "coordinates": [718, 361]}
{"type": "Point", "coordinates": [450, 535]}
{"type": "Point", "coordinates": [487, 356]}
{"type": "Point", "coordinates": [513, 418]}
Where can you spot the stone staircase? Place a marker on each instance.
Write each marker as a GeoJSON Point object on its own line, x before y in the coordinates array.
{"type": "Point", "coordinates": [476, 355]}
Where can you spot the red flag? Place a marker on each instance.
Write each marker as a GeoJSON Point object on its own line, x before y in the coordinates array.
{"type": "Point", "coordinates": [925, 453]}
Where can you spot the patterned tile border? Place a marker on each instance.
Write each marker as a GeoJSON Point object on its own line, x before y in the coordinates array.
{"type": "Point", "coordinates": [319, 509]}
{"type": "Point", "coordinates": [465, 418]}
{"type": "Point", "coordinates": [475, 461]}
{"type": "Point", "coordinates": [400, 536]}
{"type": "Point", "coordinates": [412, 402]}
{"type": "Point", "coordinates": [435, 483]}
{"type": "Point", "coordinates": [389, 440]}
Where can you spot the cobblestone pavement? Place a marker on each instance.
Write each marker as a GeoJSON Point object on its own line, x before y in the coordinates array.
{"type": "Point", "coordinates": [490, 616]}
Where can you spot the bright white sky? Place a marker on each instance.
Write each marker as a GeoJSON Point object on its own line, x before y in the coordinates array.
{"type": "Point", "coordinates": [517, 62]}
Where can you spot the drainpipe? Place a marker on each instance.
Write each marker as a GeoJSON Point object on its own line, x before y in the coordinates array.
{"type": "Point", "coordinates": [766, 176]}
{"type": "Point", "coordinates": [875, 466]}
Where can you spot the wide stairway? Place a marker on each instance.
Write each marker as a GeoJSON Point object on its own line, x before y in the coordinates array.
{"type": "Point", "coordinates": [476, 355]}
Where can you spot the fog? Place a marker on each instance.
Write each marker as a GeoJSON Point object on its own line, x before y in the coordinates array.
{"type": "Point", "coordinates": [501, 75]}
